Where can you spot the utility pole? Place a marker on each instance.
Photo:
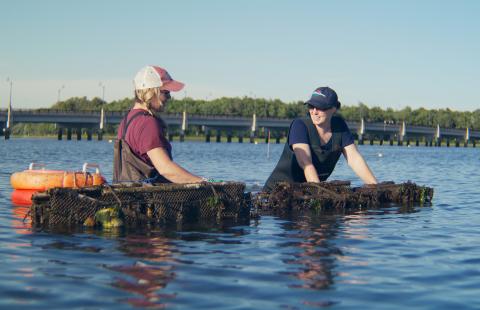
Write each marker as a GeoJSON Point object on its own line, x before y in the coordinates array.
{"type": "Point", "coordinates": [184, 101]}
{"type": "Point", "coordinates": [9, 112]}
{"type": "Point", "coordinates": [59, 92]}
{"type": "Point", "coordinates": [103, 90]}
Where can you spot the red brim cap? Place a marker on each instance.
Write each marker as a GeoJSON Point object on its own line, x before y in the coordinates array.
{"type": "Point", "coordinates": [172, 85]}
{"type": "Point", "coordinates": [167, 82]}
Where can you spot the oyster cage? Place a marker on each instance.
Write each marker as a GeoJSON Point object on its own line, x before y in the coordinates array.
{"type": "Point", "coordinates": [136, 204]}
{"type": "Point", "coordinates": [338, 195]}
{"type": "Point", "coordinates": [139, 205]}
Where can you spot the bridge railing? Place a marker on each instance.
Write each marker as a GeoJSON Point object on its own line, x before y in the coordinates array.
{"type": "Point", "coordinates": [93, 116]}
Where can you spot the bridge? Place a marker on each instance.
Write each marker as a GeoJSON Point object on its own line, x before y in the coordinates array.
{"type": "Point", "coordinates": [95, 121]}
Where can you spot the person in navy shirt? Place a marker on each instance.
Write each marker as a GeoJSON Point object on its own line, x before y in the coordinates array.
{"type": "Point", "coordinates": [315, 143]}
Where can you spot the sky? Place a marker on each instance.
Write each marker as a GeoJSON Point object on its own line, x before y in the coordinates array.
{"type": "Point", "coordinates": [389, 54]}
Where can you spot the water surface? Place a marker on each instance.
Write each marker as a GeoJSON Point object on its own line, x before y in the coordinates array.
{"type": "Point", "coordinates": [388, 258]}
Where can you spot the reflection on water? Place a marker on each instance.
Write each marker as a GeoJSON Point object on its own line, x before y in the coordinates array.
{"type": "Point", "coordinates": [145, 278]}
{"type": "Point", "coordinates": [317, 255]}
{"type": "Point", "coordinates": [319, 252]}
{"type": "Point", "coordinates": [21, 220]}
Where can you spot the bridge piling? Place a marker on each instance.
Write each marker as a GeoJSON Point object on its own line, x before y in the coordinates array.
{"type": "Point", "coordinates": [184, 126]}
{"type": "Point", "coordinates": [252, 137]}
{"type": "Point", "coordinates": [69, 133]}
{"type": "Point", "coordinates": [59, 133]}
{"type": "Point", "coordinates": [79, 134]}
{"type": "Point", "coordinates": [219, 137]}
{"type": "Point", "coordinates": [361, 132]}
{"type": "Point", "coordinates": [253, 130]}
{"type": "Point", "coordinates": [100, 135]}
{"type": "Point", "coordinates": [278, 136]}
{"type": "Point", "coordinates": [360, 140]}
{"type": "Point", "coordinates": [402, 134]}
{"type": "Point", "coordinates": [240, 138]}
{"type": "Point", "coordinates": [89, 134]}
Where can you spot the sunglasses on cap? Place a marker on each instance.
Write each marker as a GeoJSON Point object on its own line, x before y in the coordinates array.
{"type": "Point", "coordinates": [166, 93]}
{"type": "Point", "coordinates": [311, 107]}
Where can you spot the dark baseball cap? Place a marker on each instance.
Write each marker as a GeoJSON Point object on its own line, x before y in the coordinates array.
{"type": "Point", "coordinates": [324, 98]}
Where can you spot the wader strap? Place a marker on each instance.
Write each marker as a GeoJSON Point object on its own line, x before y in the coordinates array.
{"type": "Point", "coordinates": [130, 120]}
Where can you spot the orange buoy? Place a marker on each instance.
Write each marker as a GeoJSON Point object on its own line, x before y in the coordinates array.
{"type": "Point", "coordinates": [22, 197]}
{"type": "Point", "coordinates": [41, 180]}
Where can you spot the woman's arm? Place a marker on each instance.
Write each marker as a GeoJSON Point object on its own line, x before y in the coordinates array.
{"type": "Point", "coordinates": [169, 169]}
{"type": "Point", "coordinates": [304, 158]}
{"type": "Point", "coordinates": [357, 163]}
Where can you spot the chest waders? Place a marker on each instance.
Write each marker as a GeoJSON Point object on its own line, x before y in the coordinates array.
{"type": "Point", "coordinates": [324, 161]}
{"type": "Point", "coordinates": [127, 166]}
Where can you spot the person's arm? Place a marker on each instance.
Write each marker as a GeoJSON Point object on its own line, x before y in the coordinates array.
{"type": "Point", "coordinates": [169, 169]}
{"type": "Point", "coordinates": [304, 158]}
{"type": "Point", "coordinates": [357, 163]}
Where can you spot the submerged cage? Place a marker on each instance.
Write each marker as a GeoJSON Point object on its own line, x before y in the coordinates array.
{"type": "Point", "coordinates": [338, 195]}
{"type": "Point", "coordinates": [138, 204]}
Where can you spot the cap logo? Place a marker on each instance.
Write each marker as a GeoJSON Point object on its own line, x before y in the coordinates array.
{"type": "Point", "coordinates": [318, 93]}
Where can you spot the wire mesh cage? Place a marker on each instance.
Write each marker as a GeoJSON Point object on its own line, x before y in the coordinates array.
{"type": "Point", "coordinates": [137, 204]}
{"type": "Point", "coordinates": [338, 195]}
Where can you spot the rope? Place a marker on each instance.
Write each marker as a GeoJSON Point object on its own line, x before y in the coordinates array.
{"type": "Point", "coordinates": [113, 193]}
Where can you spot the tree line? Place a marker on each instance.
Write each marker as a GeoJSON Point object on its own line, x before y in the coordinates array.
{"type": "Point", "coordinates": [246, 106]}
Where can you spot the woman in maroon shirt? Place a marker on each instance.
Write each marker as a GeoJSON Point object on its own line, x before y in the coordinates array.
{"type": "Point", "coordinates": [144, 152]}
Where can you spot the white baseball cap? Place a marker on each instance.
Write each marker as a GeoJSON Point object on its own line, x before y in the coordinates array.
{"type": "Point", "coordinates": [153, 76]}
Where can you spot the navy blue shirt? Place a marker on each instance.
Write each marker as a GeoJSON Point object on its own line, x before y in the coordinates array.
{"type": "Point", "coordinates": [299, 134]}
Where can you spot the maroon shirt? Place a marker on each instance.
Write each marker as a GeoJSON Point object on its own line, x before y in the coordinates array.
{"type": "Point", "coordinates": [145, 133]}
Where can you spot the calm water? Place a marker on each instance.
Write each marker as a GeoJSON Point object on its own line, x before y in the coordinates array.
{"type": "Point", "coordinates": [389, 258]}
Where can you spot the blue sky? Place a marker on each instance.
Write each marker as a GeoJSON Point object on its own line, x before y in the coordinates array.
{"type": "Point", "coordinates": [382, 53]}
